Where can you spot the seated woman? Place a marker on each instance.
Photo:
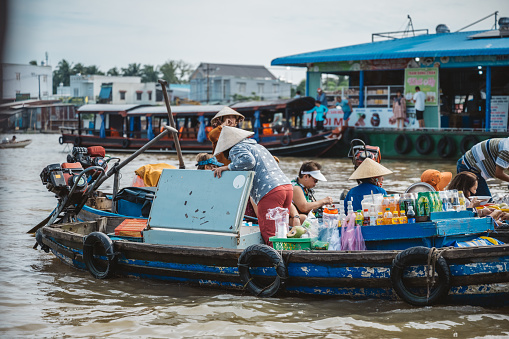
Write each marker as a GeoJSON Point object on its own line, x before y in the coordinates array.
{"type": "Point", "coordinates": [368, 175]}
{"type": "Point", "coordinates": [303, 198]}
{"type": "Point", "coordinates": [437, 179]}
{"type": "Point", "coordinates": [467, 183]}
{"type": "Point", "coordinates": [205, 161]}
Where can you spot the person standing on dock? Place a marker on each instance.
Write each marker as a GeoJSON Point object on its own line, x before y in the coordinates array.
{"type": "Point", "coordinates": [399, 109]}
{"type": "Point", "coordinates": [346, 107]}
{"type": "Point", "coordinates": [321, 114]}
{"type": "Point", "coordinates": [320, 96]}
{"type": "Point", "coordinates": [486, 159]}
{"type": "Point", "coordinates": [419, 100]}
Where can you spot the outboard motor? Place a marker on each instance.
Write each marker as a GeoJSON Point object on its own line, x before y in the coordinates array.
{"type": "Point", "coordinates": [359, 151]}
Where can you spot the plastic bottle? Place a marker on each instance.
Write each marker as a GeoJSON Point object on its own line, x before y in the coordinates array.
{"type": "Point", "coordinates": [349, 209]}
{"type": "Point", "coordinates": [359, 218]}
{"type": "Point", "coordinates": [410, 214]}
{"type": "Point", "coordinates": [422, 204]}
{"type": "Point", "coordinates": [372, 216]}
{"type": "Point", "coordinates": [462, 200]}
{"type": "Point", "coordinates": [380, 219]}
{"type": "Point", "coordinates": [387, 216]}
{"type": "Point", "coordinates": [366, 217]}
{"type": "Point", "coordinates": [403, 218]}
{"type": "Point", "coordinates": [385, 203]}
{"type": "Point", "coordinates": [342, 216]}
{"type": "Point", "coordinates": [395, 218]}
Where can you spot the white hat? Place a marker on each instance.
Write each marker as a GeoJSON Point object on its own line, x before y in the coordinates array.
{"type": "Point", "coordinates": [230, 136]}
{"type": "Point", "coordinates": [315, 174]}
{"type": "Point", "coordinates": [369, 169]}
{"type": "Point", "coordinates": [227, 111]}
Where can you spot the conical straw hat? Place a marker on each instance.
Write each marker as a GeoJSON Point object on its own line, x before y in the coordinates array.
{"type": "Point", "coordinates": [369, 169]}
{"type": "Point", "coordinates": [229, 137]}
{"type": "Point", "coordinates": [227, 111]}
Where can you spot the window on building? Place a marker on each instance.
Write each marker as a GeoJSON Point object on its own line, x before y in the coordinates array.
{"type": "Point", "coordinates": [76, 92]}
{"type": "Point", "coordinates": [122, 95]}
{"type": "Point", "coordinates": [275, 88]}
{"type": "Point", "coordinates": [18, 76]}
{"type": "Point", "coordinates": [260, 88]}
{"type": "Point", "coordinates": [138, 95]}
{"type": "Point", "coordinates": [242, 87]}
{"type": "Point", "coordinates": [149, 95]}
{"type": "Point", "coordinates": [44, 78]}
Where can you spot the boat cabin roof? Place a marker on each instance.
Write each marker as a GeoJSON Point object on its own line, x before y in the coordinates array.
{"type": "Point", "coordinates": [96, 108]}
{"type": "Point", "coordinates": [298, 104]}
{"type": "Point", "coordinates": [181, 110]}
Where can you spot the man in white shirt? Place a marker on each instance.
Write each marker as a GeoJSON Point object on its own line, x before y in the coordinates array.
{"type": "Point", "coordinates": [419, 99]}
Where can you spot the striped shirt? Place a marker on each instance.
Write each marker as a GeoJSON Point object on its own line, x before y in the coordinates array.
{"type": "Point", "coordinates": [486, 155]}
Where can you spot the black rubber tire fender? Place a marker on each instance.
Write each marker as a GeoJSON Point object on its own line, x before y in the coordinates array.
{"type": "Point", "coordinates": [402, 144]}
{"type": "Point", "coordinates": [285, 140]}
{"type": "Point", "coordinates": [446, 147]}
{"type": "Point", "coordinates": [419, 256]}
{"type": "Point", "coordinates": [89, 242]}
{"type": "Point", "coordinates": [61, 140]}
{"type": "Point", "coordinates": [246, 258]}
{"type": "Point", "coordinates": [424, 144]}
{"type": "Point", "coordinates": [77, 141]}
{"type": "Point", "coordinates": [467, 142]}
{"type": "Point", "coordinates": [125, 143]}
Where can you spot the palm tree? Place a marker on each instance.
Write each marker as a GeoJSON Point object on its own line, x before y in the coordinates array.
{"type": "Point", "coordinates": [149, 74]}
{"type": "Point", "coordinates": [62, 74]}
{"type": "Point", "coordinates": [93, 69]}
{"type": "Point", "coordinates": [113, 72]}
{"type": "Point", "coordinates": [132, 70]}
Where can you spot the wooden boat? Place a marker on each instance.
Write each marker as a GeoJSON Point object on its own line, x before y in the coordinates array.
{"type": "Point", "coordinates": [192, 239]}
{"type": "Point", "coordinates": [125, 128]}
{"type": "Point", "coordinates": [16, 144]}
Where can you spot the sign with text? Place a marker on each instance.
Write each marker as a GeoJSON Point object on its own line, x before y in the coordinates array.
{"type": "Point", "coordinates": [427, 80]}
{"type": "Point", "coordinates": [364, 117]}
{"type": "Point", "coordinates": [499, 111]}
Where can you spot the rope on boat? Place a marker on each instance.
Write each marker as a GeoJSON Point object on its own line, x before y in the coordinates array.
{"type": "Point", "coordinates": [433, 255]}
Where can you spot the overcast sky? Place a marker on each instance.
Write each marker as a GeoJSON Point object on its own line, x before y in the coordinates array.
{"type": "Point", "coordinates": [110, 33]}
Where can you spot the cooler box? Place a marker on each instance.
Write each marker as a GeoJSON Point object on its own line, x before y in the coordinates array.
{"type": "Point", "coordinates": [193, 208]}
{"type": "Point", "coordinates": [135, 201]}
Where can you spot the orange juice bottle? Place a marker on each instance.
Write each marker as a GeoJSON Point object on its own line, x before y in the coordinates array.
{"type": "Point", "coordinates": [387, 216]}
{"type": "Point", "coordinates": [402, 217]}
{"type": "Point", "coordinates": [395, 217]}
{"type": "Point", "coordinates": [380, 219]}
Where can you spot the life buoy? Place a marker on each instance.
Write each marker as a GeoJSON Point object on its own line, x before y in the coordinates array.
{"type": "Point", "coordinates": [419, 256]}
{"type": "Point", "coordinates": [245, 260]}
{"type": "Point", "coordinates": [402, 144]}
{"type": "Point", "coordinates": [424, 144]}
{"type": "Point", "coordinates": [467, 142]}
{"type": "Point", "coordinates": [125, 143]}
{"type": "Point", "coordinates": [77, 141]}
{"type": "Point", "coordinates": [61, 140]}
{"type": "Point", "coordinates": [446, 147]}
{"type": "Point", "coordinates": [104, 246]}
{"type": "Point", "coordinates": [285, 140]}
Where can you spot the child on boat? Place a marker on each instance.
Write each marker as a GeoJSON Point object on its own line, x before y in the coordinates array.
{"type": "Point", "coordinates": [271, 188]}
{"type": "Point", "coordinates": [205, 161]}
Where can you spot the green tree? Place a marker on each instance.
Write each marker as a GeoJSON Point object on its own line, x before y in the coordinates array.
{"type": "Point", "coordinates": [113, 72]}
{"type": "Point", "coordinates": [78, 68]}
{"type": "Point", "coordinates": [33, 63]}
{"type": "Point", "coordinates": [92, 69]}
{"type": "Point", "coordinates": [132, 70]}
{"type": "Point", "coordinates": [62, 74]}
{"type": "Point", "coordinates": [176, 71]}
{"type": "Point", "coordinates": [302, 87]}
{"type": "Point", "coordinates": [149, 74]}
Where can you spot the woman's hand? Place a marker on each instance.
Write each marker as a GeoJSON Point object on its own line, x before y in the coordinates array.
{"type": "Point", "coordinates": [474, 203]}
{"type": "Point", "coordinates": [219, 170]}
{"type": "Point", "coordinates": [326, 201]}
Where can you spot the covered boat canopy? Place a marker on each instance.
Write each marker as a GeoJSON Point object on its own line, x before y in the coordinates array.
{"type": "Point", "coordinates": [296, 104]}
{"type": "Point", "coordinates": [106, 108]}
{"type": "Point", "coordinates": [191, 110]}
{"type": "Point", "coordinates": [430, 45]}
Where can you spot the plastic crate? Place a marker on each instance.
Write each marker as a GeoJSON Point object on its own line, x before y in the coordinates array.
{"type": "Point", "coordinates": [291, 243]}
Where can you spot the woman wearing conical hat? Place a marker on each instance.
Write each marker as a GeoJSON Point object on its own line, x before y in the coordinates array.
{"type": "Point", "coordinates": [271, 188]}
{"type": "Point", "coordinates": [369, 174]}
{"type": "Point", "coordinates": [225, 117]}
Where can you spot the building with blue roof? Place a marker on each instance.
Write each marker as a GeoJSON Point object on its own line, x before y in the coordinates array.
{"type": "Point", "coordinates": [469, 72]}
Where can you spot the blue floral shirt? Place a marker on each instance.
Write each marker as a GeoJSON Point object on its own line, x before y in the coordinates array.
{"type": "Point", "coordinates": [248, 155]}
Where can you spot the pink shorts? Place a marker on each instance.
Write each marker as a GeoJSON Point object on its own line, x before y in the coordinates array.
{"type": "Point", "coordinates": [280, 196]}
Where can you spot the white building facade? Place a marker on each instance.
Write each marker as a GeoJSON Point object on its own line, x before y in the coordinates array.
{"type": "Point", "coordinates": [26, 82]}
{"type": "Point", "coordinates": [221, 83]}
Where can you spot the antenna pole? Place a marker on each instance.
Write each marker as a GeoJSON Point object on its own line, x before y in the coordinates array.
{"type": "Point", "coordinates": [486, 17]}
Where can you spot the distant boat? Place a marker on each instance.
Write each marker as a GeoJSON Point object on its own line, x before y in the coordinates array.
{"type": "Point", "coordinates": [16, 144]}
{"type": "Point", "coordinates": [126, 128]}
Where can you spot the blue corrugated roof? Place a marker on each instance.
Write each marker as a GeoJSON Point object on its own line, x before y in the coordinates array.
{"type": "Point", "coordinates": [431, 45]}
